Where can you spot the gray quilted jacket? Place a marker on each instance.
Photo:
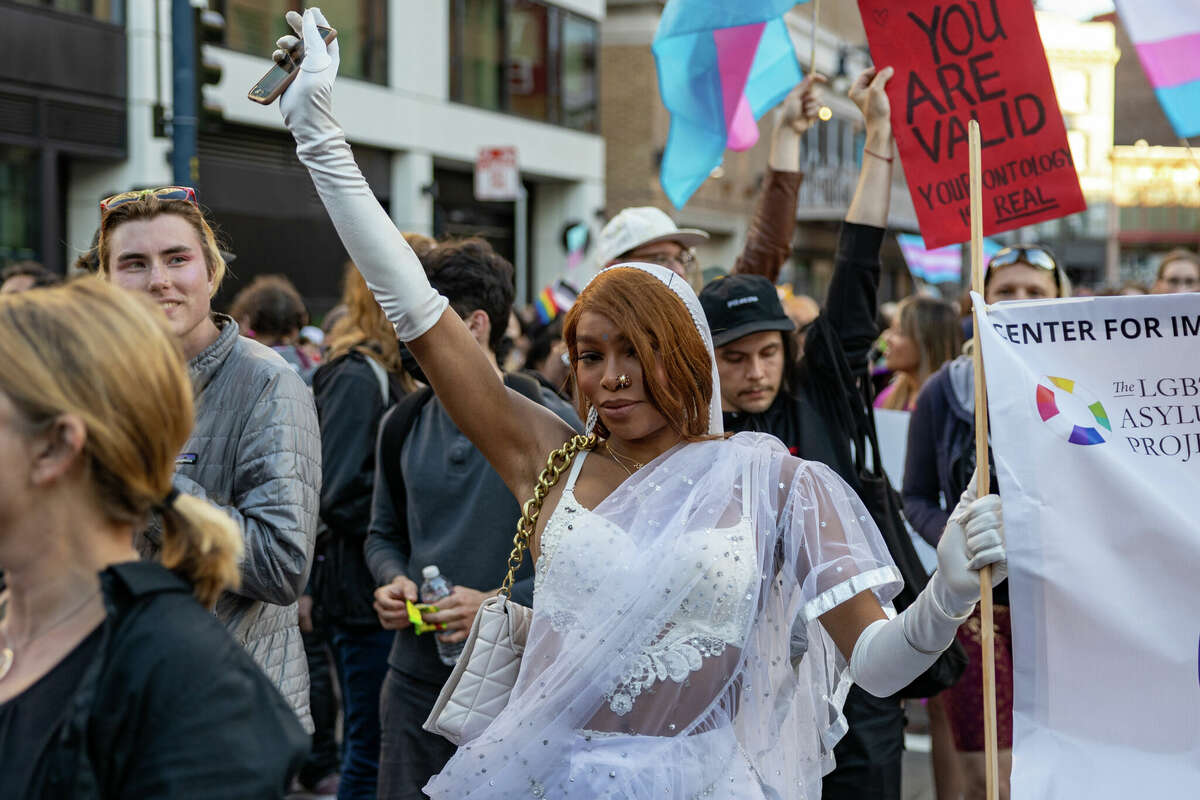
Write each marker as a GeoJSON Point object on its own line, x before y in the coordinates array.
{"type": "Point", "coordinates": [255, 452]}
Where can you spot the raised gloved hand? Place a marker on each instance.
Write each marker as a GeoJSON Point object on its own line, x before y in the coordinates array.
{"type": "Point", "coordinates": [392, 271]}
{"type": "Point", "coordinates": [974, 537]}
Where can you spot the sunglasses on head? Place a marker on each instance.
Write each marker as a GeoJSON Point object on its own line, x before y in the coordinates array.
{"type": "Point", "coordinates": [185, 193]}
{"type": "Point", "coordinates": [1037, 257]}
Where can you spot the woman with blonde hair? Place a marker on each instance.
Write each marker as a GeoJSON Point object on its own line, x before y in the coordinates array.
{"type": "Point", "coordinates": [115, 681]}
{"type": "Point", "coordinates": [925, 334]}
{"type": "Point", "coordinates": [674, 566]}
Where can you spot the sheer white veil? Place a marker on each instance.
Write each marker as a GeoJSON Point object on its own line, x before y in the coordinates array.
{"type": "Point", "coordinates": [683, 291]}
{"type": "Point", "coordinates": [658, 663]}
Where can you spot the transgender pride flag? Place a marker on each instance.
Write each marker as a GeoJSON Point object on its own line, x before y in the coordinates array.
{"type": "Point", "coordinates": [721, 66]}
{"type": "Point", "coordinates": [1166, 34]}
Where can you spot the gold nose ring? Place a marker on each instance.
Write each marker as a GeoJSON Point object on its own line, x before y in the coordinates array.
{"type": "Point", "coordinates": [623, 382]}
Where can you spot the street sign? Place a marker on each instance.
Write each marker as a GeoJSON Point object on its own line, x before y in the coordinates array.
{"type": "Point", "coordinates": [496, 174]}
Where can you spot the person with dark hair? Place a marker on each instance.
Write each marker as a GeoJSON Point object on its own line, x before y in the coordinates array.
{"type": "Point", "coordinates": [673, 562]}
{"type": "Point", "coordinates": [271, 311]}
{"type": "Point", "coordinates": [25, 275]}
{"type": "Point", "coordinates": [544, 361]}
{"type": "Point", "coordinates": [437, 501]}
{"type": "Point", "coordinates": [255, 449]}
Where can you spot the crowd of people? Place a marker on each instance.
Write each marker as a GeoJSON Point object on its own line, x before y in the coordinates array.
{"type": "Point", "coordinates": [214, 527]}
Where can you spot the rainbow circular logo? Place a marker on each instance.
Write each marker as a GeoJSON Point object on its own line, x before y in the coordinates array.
{"type": "Point", "coordinates": [1072, 411]}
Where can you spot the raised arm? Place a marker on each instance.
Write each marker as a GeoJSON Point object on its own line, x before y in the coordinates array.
{"type": "Point", "coordinates": [769, 236]}
{"type": "Point", "coordinates": [848, 314]}
{"type": "Point", "coordinates": [513, 433]}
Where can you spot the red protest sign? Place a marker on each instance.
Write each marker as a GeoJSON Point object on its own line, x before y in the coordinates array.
{"type": "Point", "coordinates": [958, 60]}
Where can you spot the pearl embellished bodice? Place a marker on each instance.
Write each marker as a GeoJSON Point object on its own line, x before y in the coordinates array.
{"type": "Point", "coordinates": [716, 569]}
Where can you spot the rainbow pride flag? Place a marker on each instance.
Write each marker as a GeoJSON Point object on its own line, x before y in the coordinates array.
{"type": "Point", "coordinates": [1166, 34]}
{"type": "Point", "coordinates": [555, 299]}
{"type": "Point", "coordinates": [721, 66]}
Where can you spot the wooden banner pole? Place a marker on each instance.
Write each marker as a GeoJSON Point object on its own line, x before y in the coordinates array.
{"type": "Point", "coordinates": [983, 473]}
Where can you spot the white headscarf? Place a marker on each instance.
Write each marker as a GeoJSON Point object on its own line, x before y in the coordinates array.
{"type": "Point", "coordinates": [683, 291]}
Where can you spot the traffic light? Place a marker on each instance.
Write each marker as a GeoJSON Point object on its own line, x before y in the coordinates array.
{"type": "Point", "coordinates": [209, 29]}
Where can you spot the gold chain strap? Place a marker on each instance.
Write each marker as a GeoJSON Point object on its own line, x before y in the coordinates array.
{"type": "Point", "coordinates": [556, 465]}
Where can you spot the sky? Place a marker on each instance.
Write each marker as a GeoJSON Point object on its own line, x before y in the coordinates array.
{"type": "Point", "coordinates": [1080, 9]}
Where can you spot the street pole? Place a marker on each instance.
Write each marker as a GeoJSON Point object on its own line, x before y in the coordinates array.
{"type": "Point", "coordinates": [521, 244]}
{"type": "Point", "coordinates": [184, 164]}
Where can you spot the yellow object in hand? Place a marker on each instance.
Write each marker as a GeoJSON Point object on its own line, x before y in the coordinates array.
{"type": "Point", "coordinates": [415, 610]}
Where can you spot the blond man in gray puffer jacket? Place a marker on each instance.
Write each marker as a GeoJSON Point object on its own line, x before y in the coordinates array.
{"type": "Point", "coordinates": [255, 451]}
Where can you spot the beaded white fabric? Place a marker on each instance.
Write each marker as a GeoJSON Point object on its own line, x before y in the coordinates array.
{"type": "Point", "coordinates": [713, 614]}
{"type": "Point", "coordinates": [658, 661]}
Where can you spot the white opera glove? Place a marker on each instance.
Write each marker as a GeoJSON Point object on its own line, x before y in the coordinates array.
{"type": "Point", "coordinates": [889, 654]}
{"type": "Point", "coordinates": [974, 537]}
{"type": "Point", "coordinates": [392, 271]}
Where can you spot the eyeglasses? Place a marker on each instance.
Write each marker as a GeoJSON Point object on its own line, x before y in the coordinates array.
{"type": "Point", "coordinates": [1038, 257]}
{"type": "Point", "coordinates": [185, 193]}
{"type": "Point", "coordinates": [685, 259]}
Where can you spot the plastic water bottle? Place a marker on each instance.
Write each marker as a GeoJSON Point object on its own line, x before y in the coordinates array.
{"type": "Point", "coordinates": [434, 589]}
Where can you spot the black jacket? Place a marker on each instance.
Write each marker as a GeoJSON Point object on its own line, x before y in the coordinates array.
{"type": "Point", "coordinates": [810, 414]}
{"type": "Point", "coordinates": [350, 404]}
{"type": "Point", "coordinates": [171, 707]}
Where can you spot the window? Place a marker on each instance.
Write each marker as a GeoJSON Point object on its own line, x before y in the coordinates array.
{"type": "Point", "coordinates": [480, 67]}
{"type": "Point", "coordinates": [1071, 86]}
{"type": "Point", "coordinates": [19, 204]}
{"type": "Point", "coordinates": [103, 10]}
{"type": "Point", "coordinates": [252, 26]}
{"type": "Point", "coordinates": [1078, 142]}
{"type": "Point", "coordinates": [526, 58]}
{"type": "Point", "coordinates": [579, 58]}
{"type": "Point", "coordinates": [528, 51]}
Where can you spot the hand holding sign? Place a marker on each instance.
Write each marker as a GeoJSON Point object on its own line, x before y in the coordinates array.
{"type": "Point", "coordinates": [959, 60]}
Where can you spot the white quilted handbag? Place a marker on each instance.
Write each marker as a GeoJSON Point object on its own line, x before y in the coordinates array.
{"type": "Point", "coordinates": [482, 680]}
{"type": "Point", "coordinates": [486, 671]}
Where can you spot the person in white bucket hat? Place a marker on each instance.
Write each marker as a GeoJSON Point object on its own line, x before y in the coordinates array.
{"type": "Point", "coordinates": [646, 234]}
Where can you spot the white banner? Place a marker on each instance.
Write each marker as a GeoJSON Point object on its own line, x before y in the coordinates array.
{"type": "Point", "coordinates": [1095, 425]}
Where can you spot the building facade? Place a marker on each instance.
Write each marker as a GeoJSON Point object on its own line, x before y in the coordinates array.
{"type": "Point", "coordinates": [635, 126]}
{"type": "Point", "coordinates": [1156, 180]}
{"type": "Point", "coordinates": [63, 100]}
{"type": "Point", "coordinates": [1083, 57]}
{"type": "Point", "coordinates": [423, 86]}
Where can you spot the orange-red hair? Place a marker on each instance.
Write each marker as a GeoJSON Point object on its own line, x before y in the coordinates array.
{"type": "Point", "coordinates": [663, 335]}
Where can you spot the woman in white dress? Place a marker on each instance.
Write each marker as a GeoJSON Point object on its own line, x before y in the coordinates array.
{"type": "Point", "coordinates": [701, 603]}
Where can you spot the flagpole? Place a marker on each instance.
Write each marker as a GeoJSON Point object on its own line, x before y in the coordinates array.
{"type": "Point", "coordinates": [983, 475]}
{"type": "Point", "coordinates": [812, 53]}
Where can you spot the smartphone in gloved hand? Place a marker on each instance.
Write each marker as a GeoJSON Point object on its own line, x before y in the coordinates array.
{"type": "Point", "coordinates": [280, 76]}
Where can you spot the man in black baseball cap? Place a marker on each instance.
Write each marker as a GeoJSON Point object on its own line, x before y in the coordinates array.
{"type": "Point", "coordinates": [749, 330]}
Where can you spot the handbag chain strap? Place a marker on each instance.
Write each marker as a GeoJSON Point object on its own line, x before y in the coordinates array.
{"type": "Point", "coordinates": [556, 464]}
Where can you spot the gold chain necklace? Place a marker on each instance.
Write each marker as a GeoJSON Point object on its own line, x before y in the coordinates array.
{"type": "Point", "coordinates": [621, 460]}
{"type": "Point", "coordinates": [8, 655]}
